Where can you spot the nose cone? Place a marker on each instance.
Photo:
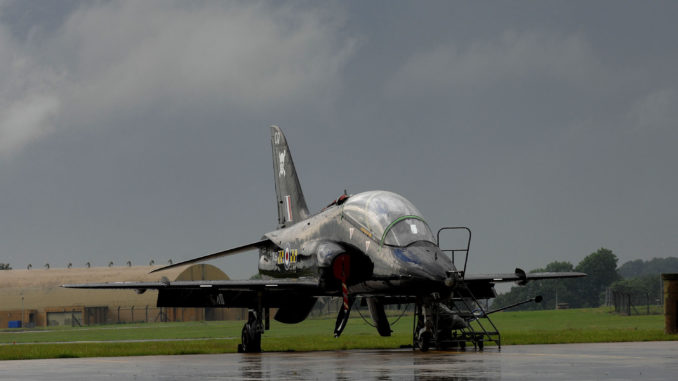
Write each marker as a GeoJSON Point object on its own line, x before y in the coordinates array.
{"type": "Point", "coordinates": [424, 261]}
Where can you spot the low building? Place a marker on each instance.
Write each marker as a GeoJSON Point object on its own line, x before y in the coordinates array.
{"type": "Point", "coordinates": [35, 297]}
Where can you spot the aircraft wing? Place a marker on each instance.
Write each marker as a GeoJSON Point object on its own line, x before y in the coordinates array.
{"type": "Point", "coordinates": [277, 293]}
{"type": "Point", "coordinates": [520, 276]}
{"type": "Point", "coordinates": [222, 285]}
{"type": "Point", "coordinates": [482, 285]}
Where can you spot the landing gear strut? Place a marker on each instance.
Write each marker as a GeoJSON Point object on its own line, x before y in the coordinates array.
{"type": "Point", "coordinates": [251, 333]}
{"type": "Point", "coordinates": [423, 330]}
{"type": "Point", "coordinates": [434, 326]}
{"type": "Point", "coordinates": [452, 324]}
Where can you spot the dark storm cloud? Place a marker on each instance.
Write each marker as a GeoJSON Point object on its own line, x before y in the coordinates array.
{"type": "Point", "coordinates": [138, 131]}
{"type": "Point", "coordinates": [114, 121]}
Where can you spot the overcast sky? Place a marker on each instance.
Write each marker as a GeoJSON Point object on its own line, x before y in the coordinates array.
{"type": "Point", "coordinates": [140, 130]}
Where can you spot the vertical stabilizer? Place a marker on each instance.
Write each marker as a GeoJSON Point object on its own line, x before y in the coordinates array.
{"type": "Point", "coordinates": [289, 197]}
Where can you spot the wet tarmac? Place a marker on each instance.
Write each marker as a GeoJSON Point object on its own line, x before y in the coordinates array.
{"type": "Point", "coordinates": [610, 361]}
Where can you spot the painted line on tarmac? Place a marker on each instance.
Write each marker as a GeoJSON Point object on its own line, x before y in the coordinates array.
{"type": "Point", "coordinates": [118, 341]}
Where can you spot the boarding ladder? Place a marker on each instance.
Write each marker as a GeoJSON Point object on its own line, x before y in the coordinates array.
{"type": "Point", "coordinates": [479, 327]}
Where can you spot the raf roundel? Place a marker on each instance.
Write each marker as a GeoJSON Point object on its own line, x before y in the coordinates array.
{"type": "Point", "coordinates": [287, 258]}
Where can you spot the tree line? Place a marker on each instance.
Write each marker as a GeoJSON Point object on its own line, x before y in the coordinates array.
{"type": "Point", "coordinates": [633, 277]}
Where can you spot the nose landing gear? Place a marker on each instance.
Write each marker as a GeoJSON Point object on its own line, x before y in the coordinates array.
{"type": "Point", "coordinates": [445, 326]}
{"type": "Point", "coordinates": [424, 331]}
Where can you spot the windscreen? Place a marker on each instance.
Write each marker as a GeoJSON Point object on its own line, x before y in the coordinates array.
{"type": "Point", "coordinates": [389, 217]}
{"type": "Point", "coordinates": [406, 231]}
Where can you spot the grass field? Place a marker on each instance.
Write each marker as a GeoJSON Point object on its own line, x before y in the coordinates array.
{"type": "Point", "coordinates": [533, 327]}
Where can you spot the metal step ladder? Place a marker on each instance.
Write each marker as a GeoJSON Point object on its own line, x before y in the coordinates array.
{"type": "Point", "coordinates": [480, 329]}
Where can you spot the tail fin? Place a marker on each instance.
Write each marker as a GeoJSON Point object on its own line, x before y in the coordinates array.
{"type": "Point", "coordinates": [291, 203]}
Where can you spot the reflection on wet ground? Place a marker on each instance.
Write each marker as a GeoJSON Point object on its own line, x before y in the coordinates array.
{"type": "Point", "coordinates": [616, 361]}
{"type": "Point", "coordinates": [368, 365]}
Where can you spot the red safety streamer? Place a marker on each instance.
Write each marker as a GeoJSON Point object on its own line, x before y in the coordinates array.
{"type": "Point", "coordinates": [341, 269]}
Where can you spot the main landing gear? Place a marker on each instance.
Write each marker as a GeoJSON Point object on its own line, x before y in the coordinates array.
{"type": "Point", "coordinates": [251, 333]}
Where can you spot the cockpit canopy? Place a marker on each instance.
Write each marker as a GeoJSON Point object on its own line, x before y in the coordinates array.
{"type": "Point", "coordinates": [389, 217]}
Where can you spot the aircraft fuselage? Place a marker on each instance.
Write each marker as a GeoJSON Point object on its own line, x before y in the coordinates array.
{"type": "Point", "coordinates": [308, 248]}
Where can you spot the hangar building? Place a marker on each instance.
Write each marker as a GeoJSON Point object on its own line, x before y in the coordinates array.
{"type": "Point", "coordinates": [35, 298]}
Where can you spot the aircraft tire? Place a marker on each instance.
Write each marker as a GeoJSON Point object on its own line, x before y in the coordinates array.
{"type": "Point", "coordinates": [251, 340]}
{"type": "Point", "coordinates": [245, 340]}
{"type": "Point", "coordinates": [256, 348]}
{"type": "Point", "coordinates": [424, 341]}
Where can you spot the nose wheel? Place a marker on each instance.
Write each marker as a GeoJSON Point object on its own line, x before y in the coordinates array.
{"type": "Point", "coordinates": [432, 327]}
{"type": "Point", "coordinates": [424, 340]}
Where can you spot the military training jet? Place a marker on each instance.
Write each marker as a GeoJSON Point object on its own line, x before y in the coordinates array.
{"type": "Point", "coordinates": [373, 245]}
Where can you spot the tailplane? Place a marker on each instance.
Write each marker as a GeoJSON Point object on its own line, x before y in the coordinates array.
{"type": "Point", "coordinates": [289, 197]}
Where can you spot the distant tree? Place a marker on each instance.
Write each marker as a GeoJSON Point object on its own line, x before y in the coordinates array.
{"type": "Point", "coordinates": [5, 266]}
{"type": "Point", "coordinates": [642, 278]}
{"type": "Point", "coordinates": [661, 265]}
{"type": "Point", "coordinates": [601, 268]}
{"type": "Point", "coordinates": [645, 285]}
{"type": "Point", "coordinates": [631, 269]}
{"type": "Point", "coordinates": [654, 266]}
{"type": "Point", "coordinates": [558, 266]}
{"type": "Point", "coordinates": [515, 295]}
{"type": "Point", "coordinates": [553, 291]}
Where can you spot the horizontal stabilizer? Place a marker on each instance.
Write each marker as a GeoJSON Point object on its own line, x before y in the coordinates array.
{"type": "Point", "coordinates": [235, 250]}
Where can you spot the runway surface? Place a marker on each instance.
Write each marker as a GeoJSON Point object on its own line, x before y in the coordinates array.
{"type": "Point", "coordinates": [610, 361]}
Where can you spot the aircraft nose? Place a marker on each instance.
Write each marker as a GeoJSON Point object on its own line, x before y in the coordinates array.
{"type": "Point", "coordinates": [420, 261]}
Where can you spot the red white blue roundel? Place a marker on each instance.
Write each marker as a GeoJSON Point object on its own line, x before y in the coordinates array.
{"type": "Point", "coordinates": [287, 258]}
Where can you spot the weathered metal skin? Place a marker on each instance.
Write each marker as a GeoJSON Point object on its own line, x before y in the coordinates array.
{"type": "Point", "coordinates": [308, 248]}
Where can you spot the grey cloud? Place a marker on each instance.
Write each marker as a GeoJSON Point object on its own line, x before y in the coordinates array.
{"type": "Point", "coordinates": [655, 111]}
{"type": "Point", "coordinates": [549, 129]}
{"type": "Point", "coordinates": [126, 57]}
{"type": "Point", "coordinates": [510, 57]}
{"type": "Point", "coordinates": [27, 102]}
{"type": "Point", "coordinates": [26, 120]}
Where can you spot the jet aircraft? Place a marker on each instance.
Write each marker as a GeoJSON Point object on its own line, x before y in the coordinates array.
{"type": "Point", "coordinates": [374, 245]}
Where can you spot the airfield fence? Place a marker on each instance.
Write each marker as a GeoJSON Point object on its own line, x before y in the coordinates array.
{"type": "Point", "coordinates": [326, 306]}
{"type": "Point", "coordinates": [149, 314]}
{"type": "Point", "coordinates": [634, 304]}
{"type": "Point", "coordinates": [129, 314]}
{"type": "Point", "coordinates": [143, 315]}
